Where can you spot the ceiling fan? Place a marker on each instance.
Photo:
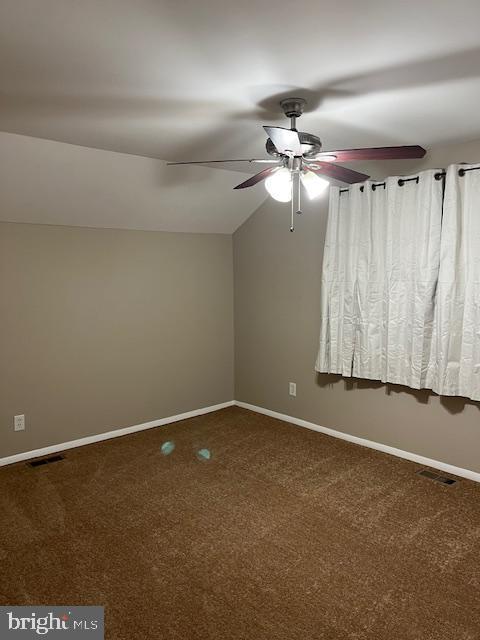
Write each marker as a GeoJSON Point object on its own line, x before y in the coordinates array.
{"type": "Point", "coordinates": [298, 159]}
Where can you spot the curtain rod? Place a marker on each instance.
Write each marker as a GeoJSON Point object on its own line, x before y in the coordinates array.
{"type": "Point", "coordinates": [462, 172]}
{"type": "Point", "coordinates": [401, 181]}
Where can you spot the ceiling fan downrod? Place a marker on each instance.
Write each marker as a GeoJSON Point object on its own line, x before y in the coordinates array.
{"type": "Point", "coordinates": [293, 109]}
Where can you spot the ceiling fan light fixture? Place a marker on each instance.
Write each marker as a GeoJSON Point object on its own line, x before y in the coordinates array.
{"type": "Point", "coordinates": [298, 153]}
{"type": "Point", "coordinates": [279, 185]}
{"type": "Point", "coordinates": [314, 185]}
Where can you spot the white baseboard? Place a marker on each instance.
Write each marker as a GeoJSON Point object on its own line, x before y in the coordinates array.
{"type": "Point", "coordinates": [413, 457]}
{"type": "Point", "coordinates": [407, 455]}
{"type": "Point", "coordinates": [63, 446]}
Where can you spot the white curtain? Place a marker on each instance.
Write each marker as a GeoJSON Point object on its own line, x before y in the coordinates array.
{"type": "Point", "coordinates": [380, 272]}
{"type": "Point", "coordinates": [455, 356]}
{"type": "Point", "coordinates": [414, 213]}
{"type": "Point", "coordinates": [370, 207]}
{"type": "Point", "coordinates": [338, 278]}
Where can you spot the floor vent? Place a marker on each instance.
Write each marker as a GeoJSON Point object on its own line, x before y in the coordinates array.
{"type": "Point", "coordinates": [42, 461]}
{"type": "Point", "coordinates": [435, 476]}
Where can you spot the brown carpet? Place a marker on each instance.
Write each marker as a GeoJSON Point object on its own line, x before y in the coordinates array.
{"type": "Point", "coordinates": [285, 534]}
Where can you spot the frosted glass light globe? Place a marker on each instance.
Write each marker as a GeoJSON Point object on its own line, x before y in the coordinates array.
{"type": "Point", "coordinates": [314, 185]}
{"type": "Point", "coordinates": [279, 185]}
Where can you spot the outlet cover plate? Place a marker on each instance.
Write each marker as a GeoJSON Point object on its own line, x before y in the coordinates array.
{"type": "Point", "coordinates": [19, 423]}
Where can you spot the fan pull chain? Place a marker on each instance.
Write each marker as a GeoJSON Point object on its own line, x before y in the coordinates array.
{"type": "Point", "coordinates": [292, 227]}
{"type": "Point", "coordinates": [299, 190]}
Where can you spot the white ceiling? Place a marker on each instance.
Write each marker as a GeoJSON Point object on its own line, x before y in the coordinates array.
{"type": "Point", "coordinates": [193, 80]}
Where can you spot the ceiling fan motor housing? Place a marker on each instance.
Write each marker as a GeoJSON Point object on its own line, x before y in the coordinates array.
{"type": "Point", "coordinates": [293, 109]}
{"type": "Point", "coordinates": [311, 145]}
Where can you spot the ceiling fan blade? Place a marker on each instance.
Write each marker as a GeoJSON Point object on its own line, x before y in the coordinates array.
{"type": "Point", "coordinates": [286, 141]}
{"type": "Point", "coordinates": [272, 161]}
{"type": "Point", "coordinates": [337, 172]}
{"type": "Point", "coordinates": [374, 153]}
{"type": "Point", "coordinates": [258, 177]}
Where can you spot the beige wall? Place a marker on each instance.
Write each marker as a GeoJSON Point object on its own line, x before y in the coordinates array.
{"type": "Point", "coordinates": [101, 329]}
{"type": "Point", "coordinates": [277, 305]}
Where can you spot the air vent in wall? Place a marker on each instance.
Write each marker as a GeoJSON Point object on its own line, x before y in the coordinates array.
{"type": "Point", "coordinates": [435, 476]}
{"type": "Point", "coordinates": [42, 461]}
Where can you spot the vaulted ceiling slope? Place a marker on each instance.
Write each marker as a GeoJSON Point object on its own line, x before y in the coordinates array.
{"type": "Point", "coordinates": [47, 182]}
{"type": "Point", "coordinates": [194, 80]}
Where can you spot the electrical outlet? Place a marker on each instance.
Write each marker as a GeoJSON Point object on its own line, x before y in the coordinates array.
{"type": "Point", "coordinates": [19, 423]}
{"type": "Point", "coordinates": [292, 388]}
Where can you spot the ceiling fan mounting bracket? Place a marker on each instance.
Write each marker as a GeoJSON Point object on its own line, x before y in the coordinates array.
{"type": "Point", "coordinates": [293, 107]}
